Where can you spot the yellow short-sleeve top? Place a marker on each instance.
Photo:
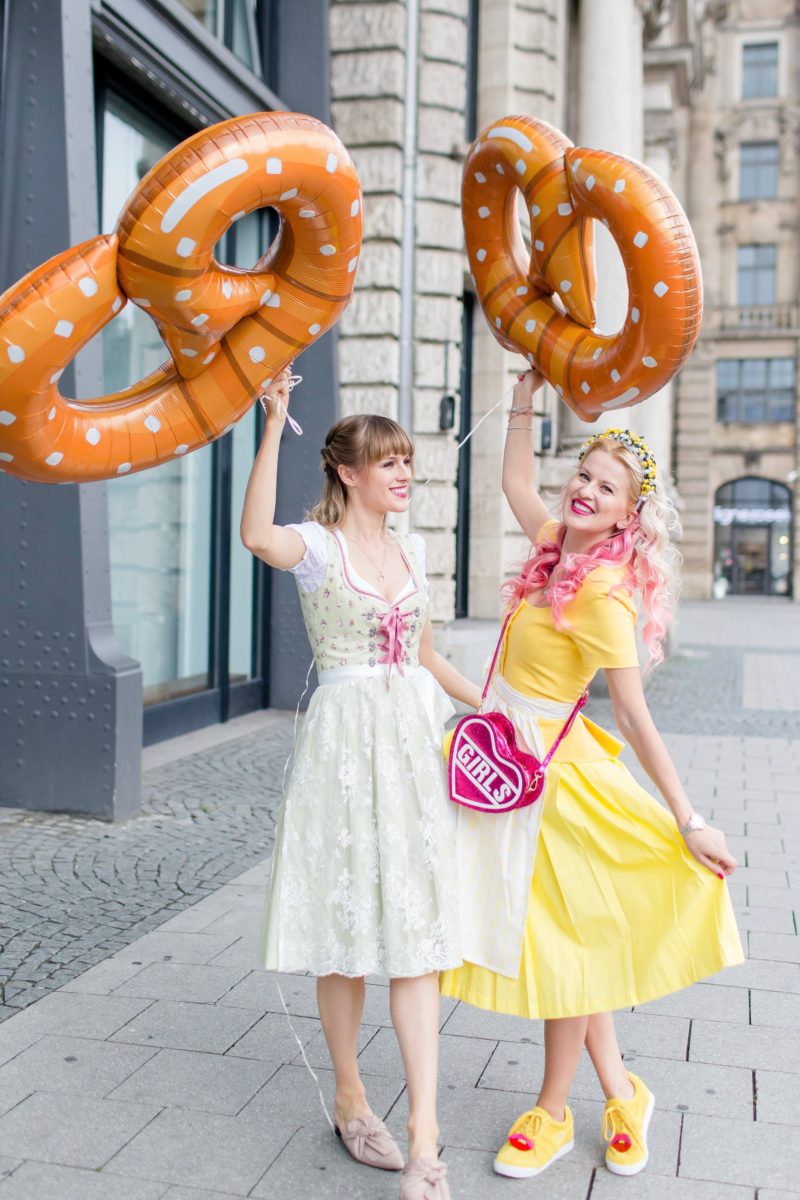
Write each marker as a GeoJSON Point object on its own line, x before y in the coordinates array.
{"type": "Point", "coordinates": [599, 630]}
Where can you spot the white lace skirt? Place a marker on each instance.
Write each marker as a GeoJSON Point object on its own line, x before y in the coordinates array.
{"type": "Point", "coordinates": [363, 871]}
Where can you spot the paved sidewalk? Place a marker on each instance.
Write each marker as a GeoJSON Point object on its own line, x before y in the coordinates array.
{"type": "Point", "coordinates": [168, 1071]}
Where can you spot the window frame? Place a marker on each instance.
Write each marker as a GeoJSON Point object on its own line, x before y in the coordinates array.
{"type": "Point", "coordinates": [758, 170]}
{"type": "Point", "coordinates": [735, 403]}
{"type": "Point", "coordinates": [759, 69]}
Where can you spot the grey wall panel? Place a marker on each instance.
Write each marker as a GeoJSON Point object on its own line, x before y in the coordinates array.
{"type": "Point", "coordinates": [70, 701]}
{"type": "Point", "coordinates": [302, 80]}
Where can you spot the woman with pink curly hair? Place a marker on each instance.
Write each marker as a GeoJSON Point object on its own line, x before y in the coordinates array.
{"type": "Point", "coordinates": [597, 897]}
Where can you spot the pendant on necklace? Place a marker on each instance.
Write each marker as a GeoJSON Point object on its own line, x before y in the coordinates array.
{"type": "Point", "coordinates": [380, 577]}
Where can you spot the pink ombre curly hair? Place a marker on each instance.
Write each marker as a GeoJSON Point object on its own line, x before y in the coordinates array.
{"type": "Point", "coordinates": [643, 548]}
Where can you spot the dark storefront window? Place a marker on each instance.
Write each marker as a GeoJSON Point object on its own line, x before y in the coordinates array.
{"type": "Point", "coordinates": [752, 538]}
{"type": "Point", "coordinates": [755, 389]}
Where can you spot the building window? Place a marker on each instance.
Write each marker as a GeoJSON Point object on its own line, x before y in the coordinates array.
{"type": "Point", "coordinates": [758, 171]}
{"type": "Point", "coordinates": [234, 23]}
{"type": "Point", "coordinates": [756, 274]}
{"type": "Point", "coordinates": [755, 389]}
{"type": "Point", "coordinates": [752, 538]}
{"type": "Point", "coordinates": [759, 70]}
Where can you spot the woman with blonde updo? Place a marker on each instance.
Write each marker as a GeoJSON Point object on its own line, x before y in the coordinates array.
{"type": "Point", "coordinates": [363, 872]}
{"type": "Point", "coordinates": [596, 897]}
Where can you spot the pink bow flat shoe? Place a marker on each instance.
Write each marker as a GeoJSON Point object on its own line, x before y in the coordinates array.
{"type": "Point", "coordinates": [424, 1179]}
{"type": "Point", "coordinates": [368, 1141]}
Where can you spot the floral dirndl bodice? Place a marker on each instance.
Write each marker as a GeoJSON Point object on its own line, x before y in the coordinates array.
{"type": "Point", "coordinates": [349, 624]}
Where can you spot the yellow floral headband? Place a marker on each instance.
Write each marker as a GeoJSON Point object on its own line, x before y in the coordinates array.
{"type": "Point", "coordinates": [637, 445]}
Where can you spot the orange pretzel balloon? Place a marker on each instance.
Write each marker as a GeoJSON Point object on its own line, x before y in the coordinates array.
{"type": "Point", "coordinates": [565, 187]}
{"type": "Point", "coordinates": [229, 331]}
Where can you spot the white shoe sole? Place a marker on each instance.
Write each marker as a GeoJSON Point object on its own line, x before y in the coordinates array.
{"type": "Point", "coordinates": [527, 1172]}
{"type": "Point", "coordinates": [619, 1168]}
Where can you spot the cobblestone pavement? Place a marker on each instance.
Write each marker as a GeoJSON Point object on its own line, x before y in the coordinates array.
{"type": "Point", "coordinates": [167, 1071]}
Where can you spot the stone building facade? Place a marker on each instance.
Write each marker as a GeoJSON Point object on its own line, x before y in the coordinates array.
{"type": "Point", "coordinates": [736, 433]}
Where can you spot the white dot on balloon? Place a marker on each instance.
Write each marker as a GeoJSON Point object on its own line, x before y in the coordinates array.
{"type": "Point", "coordinates": [649, 361]}
{"type": "Point", "coordinates": [331, 163]}
{"type": "Point", "coordinates": [200, 319]}
{"type": "Point", "coordinates": [123, 468]}
{"type": "Point", "coordinates": [520, 166]}
{"type": "Point", "coordinates": [63, 329]}
{"type": "Point", "coordinates": [597, 353]}
{"type": "Point", "coordinates": [565, 285]}
{"type": "Point", "coordinates": [152, 423]}
{"type": "Point", "coordinates": [188, 352]}
{"type": "Point", "coordinates": [635, 316]}
{"type": "Point", "coordinates": [208, 358]}
{"type": "Point", "coordinates": [564, 210]}
{"type": "Point", "coordinates": [661, 288]}
{"type": "Point", "coordinates": [327, 249]}
{"type": "Point", "coordinates": [274, 166]}
{"type": "Point", "coordinates": [257, 354]}
{"type": "Point", "coordinates": [142, 301]}
{"type": "Point", "coordinates": [54, 459]}
{"type": "Point", "coordinates": [499, 169]}
{"type": "Point", "coordinates": [481, 255]}
{"type": "Point", "coordinates": [532, 360]}
{"type": "Point", "coordinates": [16, 354]}
{"type": "Point", "coordinates": [355, 208]}
{"type": "Point", "coordinates": [185, 247]}
{"type": "Point", "coordinates": [7, 418]}
{"type": "Point", "coordinates": [117, 305]}
{"type": "Point", "coordinates": [575, 165]}
{"type": "Point", "coordinates": [497, 322]}
{"type": "Point", "coordinates": [183, 294]}
{"type": "Point", "coordinates": [535, 210]}
{"type": "Point", "coordinates": [274, 301]}
{"type": "Point", "coordinates": [484, 212]}
{"type": "Point", "coordinates": [351, 266]}
{"type": "Point", "coordinates": [182, 448]}
{"type": "Point", "coordinates": [227, 289]}
{"type": "Point", "coordinates": [290, 195]}
{"type": "Point", "coordinates": [480, 177]}
{"type": "Point", "coordinates": [314, 329]}
{"type": "Point", "coordinates": [307, 212]}
{"type": "Point", "coordinates": [266, 382]}
{"type": "Point", "coordinates": [52, 413]}
{"type": "Point", "coordinates": [619, 186]}
{"type": "Point", "coordinates": [590, 183]}
{"type": "Point", "coordinates": [559, 389]}
{"type": "Point", "coordinates": [585, 388]}
{"type": "Point", "coordinates": [615, 375]}
{"type": "Point", "coordinates": [88, 285]}
{"type": "Point", "coordinates": [5, 456]}
{"type": "Point", "coordinates": [265, 297]}
{"type": "Point", "coordinates": [641, 239]}
{"type": "Point", "coordinates": [530, 326]}
{"type": "Point", "coordinates": [538, 244]}
{"type": "Point", "coordinates": [93, 436]}
{"type": "Point", "coordinates": [521, 291]}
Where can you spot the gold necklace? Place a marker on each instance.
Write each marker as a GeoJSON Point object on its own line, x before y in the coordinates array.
{"type": "Point", "coordinates": [380, 568]}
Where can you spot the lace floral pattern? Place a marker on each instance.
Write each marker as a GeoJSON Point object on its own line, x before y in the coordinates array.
{"type": "Point", "coordinates": [363, 873]}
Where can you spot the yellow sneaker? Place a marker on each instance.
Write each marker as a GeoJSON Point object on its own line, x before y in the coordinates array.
{"type": "Point", "coordinates": [625, 1125]}
{"type": "Point", "coordinates": [535, 1140]}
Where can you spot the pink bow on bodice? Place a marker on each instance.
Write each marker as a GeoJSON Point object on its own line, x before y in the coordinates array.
{"type": "Point", "coordinates": [392, 630]}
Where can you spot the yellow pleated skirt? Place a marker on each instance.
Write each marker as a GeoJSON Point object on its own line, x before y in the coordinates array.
{"type": "Point", "coordinates": [619, 912]}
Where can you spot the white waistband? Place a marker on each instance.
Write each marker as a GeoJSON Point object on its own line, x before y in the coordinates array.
{"type": "Point", "coordinates": [537, 706]}
{"type": "Point", "coordinates": [364, 671]}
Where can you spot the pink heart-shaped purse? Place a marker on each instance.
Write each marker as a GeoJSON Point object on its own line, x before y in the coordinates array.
{"type": "Point", "coordinates": [487, 771]}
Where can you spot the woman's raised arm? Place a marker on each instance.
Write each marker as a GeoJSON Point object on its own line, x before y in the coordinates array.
{"type": "Point", "coordinates": [519, 482]}
{"type": "Point", "coordinates": [279, 547]}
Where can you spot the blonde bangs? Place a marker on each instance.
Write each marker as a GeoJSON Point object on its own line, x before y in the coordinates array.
{"type": "Point", "coordinates": [384, 438]}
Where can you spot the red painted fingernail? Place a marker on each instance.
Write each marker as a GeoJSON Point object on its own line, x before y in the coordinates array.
{"type": "Point", "coordinates": [720, 875]}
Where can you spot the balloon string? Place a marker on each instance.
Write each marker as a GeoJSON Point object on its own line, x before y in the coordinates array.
{"type": "Point", "coordinates": [311, 1071]}
{"type": "Point", "coordinates": [418, 486]}
{"type": "Point", "coordinates": [281, 409]}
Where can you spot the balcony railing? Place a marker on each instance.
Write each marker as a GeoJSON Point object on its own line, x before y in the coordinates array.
{"type": "Point", "coordinates": [758, 318]}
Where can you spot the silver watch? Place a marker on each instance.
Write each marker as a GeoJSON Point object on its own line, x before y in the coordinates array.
{"type": "Point", "coordinates": [695, 822]}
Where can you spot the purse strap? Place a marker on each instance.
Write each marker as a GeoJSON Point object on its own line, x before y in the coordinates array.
{"type": "Point", "coordinates": [579, 703]}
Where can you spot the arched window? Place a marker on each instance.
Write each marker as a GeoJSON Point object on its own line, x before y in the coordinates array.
{"type": "Point", "coordinates": [752, 538]}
